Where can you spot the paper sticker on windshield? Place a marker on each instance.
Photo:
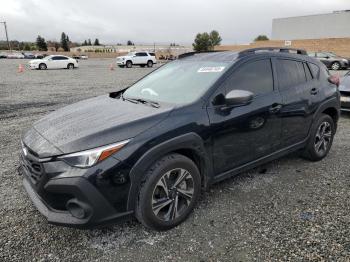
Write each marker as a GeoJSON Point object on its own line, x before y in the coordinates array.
{"type": "Point", "coordinates": [211, 69]}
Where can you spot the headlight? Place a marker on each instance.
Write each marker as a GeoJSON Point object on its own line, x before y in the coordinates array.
{"type": "Point", "coordinates": [90, 157]}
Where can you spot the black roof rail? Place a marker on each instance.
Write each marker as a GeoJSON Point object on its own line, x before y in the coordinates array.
{"type": "Point", "coordinates": [273, 49]}
{"type": "Point", "coordinates": [198, 52]}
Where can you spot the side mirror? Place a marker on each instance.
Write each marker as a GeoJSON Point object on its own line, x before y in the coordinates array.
{"type": "Point", "coordinates": [238, 98]}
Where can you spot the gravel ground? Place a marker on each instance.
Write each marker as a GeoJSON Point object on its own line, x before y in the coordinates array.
{"type": "Point", "coordinates": [288, 210]}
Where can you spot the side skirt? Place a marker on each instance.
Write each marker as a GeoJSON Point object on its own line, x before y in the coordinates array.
{"type": "Point", "coordinates": [260, 161]}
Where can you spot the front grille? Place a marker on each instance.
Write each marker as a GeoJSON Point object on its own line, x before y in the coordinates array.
{"type": "Point", "coordinates": [34, 168]}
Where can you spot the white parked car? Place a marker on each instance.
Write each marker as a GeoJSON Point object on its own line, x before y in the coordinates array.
{"type": "Point", "coordinates": [15, 55]}
{"type": "Point", "coordinates": [54, 62]}
{"type": "Point", "coordinates": [137, 58]}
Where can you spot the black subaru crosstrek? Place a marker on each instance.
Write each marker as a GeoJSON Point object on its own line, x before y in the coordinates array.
{"type": "Point", "coordinates": [150, 149]}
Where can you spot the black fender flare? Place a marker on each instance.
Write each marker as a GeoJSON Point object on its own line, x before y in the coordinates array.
{"type": "Point", "coordinates": [190, 141]}
{"type": "Point", "coordinates": [333, 103]}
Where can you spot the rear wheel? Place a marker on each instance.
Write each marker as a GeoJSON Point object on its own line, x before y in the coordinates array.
{"type": "Point", "coordinates": [336, 66]}
{"type": "Point", "coordinates": [128, 64]}
{"type": "Point", "coordinates": [321, 139]}
{"type": "Point", "coordinates": [70, 66]}
{"type": "Point", "coordinates": [168, 193]}
{"type": "Point", "coordinates": [149, 63]}
{"type": "Point", "coordinates": [42, 66]}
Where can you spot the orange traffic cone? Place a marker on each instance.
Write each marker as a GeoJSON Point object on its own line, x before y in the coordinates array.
{"type": "Point", "coordinates": [111, 67]}
{"type": "Point", "coordinates": [20, 68]}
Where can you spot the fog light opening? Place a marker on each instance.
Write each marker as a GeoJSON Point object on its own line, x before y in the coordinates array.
{"type": "Point", "coordinates": [76, 210]}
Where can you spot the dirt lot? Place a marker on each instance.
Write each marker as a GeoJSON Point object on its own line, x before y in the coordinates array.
{"type": "Point", "coordinates": [288, 210]}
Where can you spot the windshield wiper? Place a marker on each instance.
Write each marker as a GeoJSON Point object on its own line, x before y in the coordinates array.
{"type": "Point", "coordinates": [142, 101]}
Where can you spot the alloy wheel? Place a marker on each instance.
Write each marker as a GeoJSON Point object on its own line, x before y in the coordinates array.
{"type": "Point", "coordinates": [323, 138]}
{"type": "Point", "coordinates": [172, 194]}
{"type": "Point", "coordinates": [335, 66]}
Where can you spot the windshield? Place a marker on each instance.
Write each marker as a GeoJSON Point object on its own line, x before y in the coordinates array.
{"type": "Point", "coordinates": [330, 54]}
{"type": "Point", "coordinates": [178, 82]}
{"type": "Point", "coordinates": [47, 57]}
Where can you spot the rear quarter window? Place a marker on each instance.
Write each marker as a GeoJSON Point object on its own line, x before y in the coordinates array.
{"type": "Point", "coordinates": [315, 70]}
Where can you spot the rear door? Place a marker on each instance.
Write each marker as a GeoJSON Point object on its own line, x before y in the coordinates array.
{"type": "Point", "coordinates": [298, 105]}
{"type": "Point", "coordinates": [246, 133]}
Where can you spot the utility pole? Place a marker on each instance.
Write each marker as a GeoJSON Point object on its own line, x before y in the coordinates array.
{"type": "Point", "coordinates": [7, 37]}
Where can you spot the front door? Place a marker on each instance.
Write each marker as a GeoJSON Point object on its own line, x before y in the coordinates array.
{"type": "Point", "coordinates": [246, 133]}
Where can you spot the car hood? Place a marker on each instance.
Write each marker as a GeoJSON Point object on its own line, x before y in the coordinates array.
{"type": "Point", "coordinates": [91, 123]}
{"type": "Point", "coordinates": [35, 61]}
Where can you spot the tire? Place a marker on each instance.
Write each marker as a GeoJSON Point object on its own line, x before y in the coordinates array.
{"type": "Point", "coordinates": [128, 64]}
{"type": "Point", "coordinates": [149, 63]}
{"type": "Point", "coordinates": [336, 66]}
{"type": "Point", "coordinates": [162, 183]}
{"type": "Point", "coordinates": [322, 130]}
{"type": "Point", "coordinates": [70, 66]}
{"type": "Point", "coordinates": [42, 66]}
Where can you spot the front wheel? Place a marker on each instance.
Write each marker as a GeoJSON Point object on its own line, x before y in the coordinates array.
{"type": "Point", "coordinates": [70, 66]}
{"type": "Point", "coordinates": [149, 63]}
{"type": "Point", "coordinates": [42, 66]}
{"type": "Point", "coordinates": [168, 193]}
{"type": "Point", "coordinates": [336, 66]}
{"type": "Point", "coordinates": [128, 64]}
{"type": "Point", "coordinates": [321, 139]}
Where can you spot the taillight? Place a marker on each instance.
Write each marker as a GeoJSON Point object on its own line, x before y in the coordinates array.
{"type": "Point", "coordinates": [334, 79]}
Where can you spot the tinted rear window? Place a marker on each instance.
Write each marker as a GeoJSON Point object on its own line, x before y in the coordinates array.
{"type": "Point", "coordinates": [290, 73]}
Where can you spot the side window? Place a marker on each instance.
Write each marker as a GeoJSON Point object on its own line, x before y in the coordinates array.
{"type": "Point", "coordinates": [138, 54]}
{"type": "Point", "coordinates": [64, 58]}
{"type": "Point", "coordinates": [55, 58]}
{"type": "Point", "coordinates": [322, 55]}
{"type": "Point", "coordinates": [141, 54]}
{"type": "Point", "coordinates": [307, 72]}
{"type": "Point", "coordinates": [290, 73]}
{"type": "Point", "coordinates": [255, 77]}
{"type": "Point", "coordinates": [315, 70]}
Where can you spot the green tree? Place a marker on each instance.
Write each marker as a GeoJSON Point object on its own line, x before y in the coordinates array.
{"type": "Point", "coordinates": [89, 42]}
{"type": "Point", "coordinates": [202, 42]}
{"type": "Point", "coordinates": [64, 42]}
{"type": "Point", "coordinates": [27, 47]}
{"type": "Point", "coordinates": [215, 38]}
{"type": "Point", "coordinates": [261, 38]}
{"type": "Point", "coordinates": [206, 42]}
{"type": "Point", "coordinates": [96, 42]}
{"type": "Point", "coordinates": [130, 43]}
{"type": "Point", "coordinates": [41, 43]}
{"type": "Point", "coordinates": [84, 43]}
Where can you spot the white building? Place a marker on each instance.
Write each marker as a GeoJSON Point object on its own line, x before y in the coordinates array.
{"type": "Point", "coordinates": [332, 25]}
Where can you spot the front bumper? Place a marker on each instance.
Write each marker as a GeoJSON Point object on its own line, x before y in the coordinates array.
{"type": "Point", "coordinates": [75, 197]}
{"type": "Point", "coordinates": [120, 62]}
{"type": "Point", "coordinates": [97, 211]}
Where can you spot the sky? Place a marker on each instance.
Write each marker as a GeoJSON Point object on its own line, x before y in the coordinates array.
{"type": "Point", "coordinates": [152, 21]}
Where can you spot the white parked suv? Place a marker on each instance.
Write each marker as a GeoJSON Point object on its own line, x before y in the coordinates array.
{"type": "Point", "coordinates": [54, 62]}
{"type": "Point", "coordinates": [137, 58]}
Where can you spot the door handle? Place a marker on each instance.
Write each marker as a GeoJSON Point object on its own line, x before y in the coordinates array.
{"type": "Point", "coordinates": [314, 91]}
{"type": "Point", "coordinates": [275, 108]}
